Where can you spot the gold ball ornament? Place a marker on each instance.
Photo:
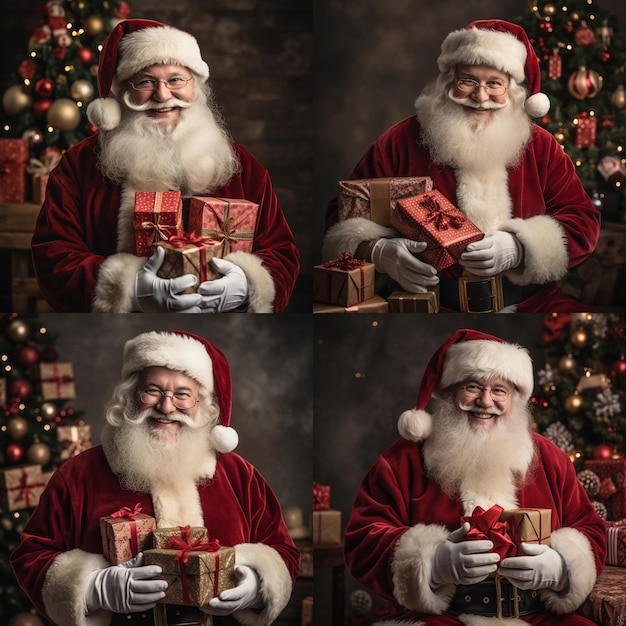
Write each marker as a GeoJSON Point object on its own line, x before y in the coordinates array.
{"type": "Point", "coordinates": [49, 410]}
{"type": "Point", "coordinates": [567, 363]}
{"type": "Point", "coordinates": [573, 403]}
{"type": "Point", "coordinates": [549, 388]}
{"type": "Point", "coordinates": [82, 90]}
{"type": "Point", "coordinates": [25, 619]}
{"type": "Point", "coordinates": [14, 100]}
{"type": "Point", "coordinates": [17, 427]}
{"type": "Point", "coordinates": [579, 337]}
{"type": "Point", "coordinates": [38, 453]}
{"type": "Point", "coordinates": [549, 10]}
{"type": "Point", "coordinates": [618, 97]}
{"type": "Point", "coordinates": [93, 25]}
{"type": "Point", "coordinates": [560, 135]}
{"type": "Point", "coordinates": [17, 331]}
{"type": "Point", "coordinates": [63, 114]}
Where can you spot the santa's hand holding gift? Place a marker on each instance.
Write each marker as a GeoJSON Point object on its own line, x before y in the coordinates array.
{"type": "Point", "coordinates": [428, 531]}
{"type": "Point", "coordinates": [167, 452]}
{"type": "Point", "coordinates": [158, 131]}
{"type": "Point", "coordinates": [473, 134]}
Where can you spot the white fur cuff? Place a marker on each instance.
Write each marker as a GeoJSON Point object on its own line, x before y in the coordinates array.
{"type": "Point", "coordinates": [261, 289]}
{"type": "Point", "coordinates": [347, 235]}
{"type": "Point", "coordinates": [114, 286]}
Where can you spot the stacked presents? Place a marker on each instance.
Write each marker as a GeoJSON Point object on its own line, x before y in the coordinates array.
{"type": "Point", "coordinates": [414, 209]}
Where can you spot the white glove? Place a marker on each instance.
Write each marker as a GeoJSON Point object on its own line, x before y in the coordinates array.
{"type": "Point", "coordinates": [126, 588]}
{"type": "Point", "coordinates": [246, 595]}
{"type": "Point", "coordinates": [541, 567]}
{"type": "Point", "coordinates": [396, 258]}
{"type": "Point", "coordinates": [152, 294]}
{"type": "Point", "coordinates": [496, 252]}
{"type": "Point", "coordinates": [227, 292]}
{"type": "Point", "coordinates": [463, 562]}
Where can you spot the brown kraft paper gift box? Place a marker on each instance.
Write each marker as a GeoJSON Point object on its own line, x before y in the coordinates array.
{"type": "Point", "coordinates": [326, 527]}
{"type": "Point", "coordinates": [528, 525]}
{"type": "Point", "coordinates": [405, 302]}
{"type": "Point", "coordinates": [343, 282]}
{"type": "Point", "coordinates": [21, 486]}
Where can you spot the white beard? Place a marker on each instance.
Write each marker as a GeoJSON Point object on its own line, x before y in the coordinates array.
{"type": "Point", "coordinates": [483, 468]}
{"type": "Point", "coordinates": [194, 156]}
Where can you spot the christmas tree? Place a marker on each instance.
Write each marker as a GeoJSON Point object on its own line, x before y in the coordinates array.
{"type": "Point", "coordinates": [37, 433]}
{"type": "Point", "coordinates": [583, 58]}
{"type": "Point", "coordinates": [45, 101]}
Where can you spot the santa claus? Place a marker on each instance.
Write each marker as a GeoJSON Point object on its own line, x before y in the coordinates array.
{"type": "Point", "coordinates": [159, 131]}
{"type": "Point", "coordinates": [406, 539]}
{"type": "Point", "coordinates": [473, 135]}
{"type": "Point", "coordinates": [167, 448]}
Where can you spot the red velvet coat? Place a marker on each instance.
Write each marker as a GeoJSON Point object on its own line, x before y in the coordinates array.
{"type": "Point", "coordinates": [238, 507]}
{"type": "Point", "coordinates": [77, 228]}
{"type": "Point", "coordinates": [400, 514]}
{"type": "Point", "coordinates": [544, 185]}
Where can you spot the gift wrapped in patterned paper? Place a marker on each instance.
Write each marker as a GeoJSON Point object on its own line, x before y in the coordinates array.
{"type": "Point", "coordinates": [321, 497]}
{"type": "Point", "coordinates": [158, 215]}
{"type": "Point", "coordinates": [375, 198]}
{"type": "Point", "coordinates": [21, 486]}
{"type": "Point", "coordinates": [432, 218]}
{"type": "Point", "coordinates": [612, 473]}
{"type": "Point", "coordinates": [161, 536]}
{"type": "Point", "coordinates": [56, 381]}
{"type": "Point", "coordinates": [606, 604]}
{"type": "Point", "coordinates": [228, 220]}
{"type": "Point", "coordinates": [616, 543]}
{"type": "Point", "coordinates": [125, 533]}
{"type": "Point", "coordinates": [13, 157]}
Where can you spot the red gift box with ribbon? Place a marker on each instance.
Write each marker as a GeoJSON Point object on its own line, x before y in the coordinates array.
{"type": "Point", "coordinates": [21, 487]}
{"type": "Point", "coordinates": [345, 281]}
{"type": "Point", "coordinates": [487, 525]}
{"type": "Point", "coordinates": [195, 570]}
{"type": "Point", "coordinates": [616, 543]}
{"type": "Point", "coordinates": [321, 497]}
{"type": "Point", "coordinates": [612, 473]}
{"type": "Point", "coordinates": [13, 157]}
{"type": "Point", "coordinates": [125, 533]}
{"type": "Point", "coordinates": [158, 215]}
{"type": "Point", "coordinates": [229, 220]}
{"type": "Point", "coordinates": [432, 218]}
{"type": "Point", "coordinates": [56, 381]}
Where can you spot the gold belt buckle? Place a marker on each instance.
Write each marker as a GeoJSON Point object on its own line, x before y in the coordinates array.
{"type": "Point", "coordinates": [500, 600]}
{"type": "Point", "coordinates": [160, 618]}
{"type": "Point", "coordinates": [497, 294]}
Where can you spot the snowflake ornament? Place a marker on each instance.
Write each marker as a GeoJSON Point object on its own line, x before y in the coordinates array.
{"type": "Point", "coordinates": [607, 403]}
{"type": "Point", "coordinates": [558, 434]}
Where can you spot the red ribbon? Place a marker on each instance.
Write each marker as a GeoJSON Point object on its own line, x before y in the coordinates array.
{"type": "Point", "coordinates": [346, 263]}
{"type": "Point", "coordinates": [487, 525]}
{"type": "Point", "coordinates": [129, 514]}
{"type": "Point", "coordinates": [440, 217]}
{"type": "Point", "coordinates": [59, 380]}
{"type": "Point", "coordinates": [193, 239]}
{"type": "Point", "coordinates": [24, 488]}
{"type": "Point", "coordinates": [185, 547]}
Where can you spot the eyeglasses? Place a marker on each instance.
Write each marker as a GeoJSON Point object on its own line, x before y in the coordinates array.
{"type": "Point", "coordinates": [498, 393]}
{"type": "Point", "coordinates": [492, 87]}
{"type": "Point", "coordinates": [152, 84]}
{"type": "Point", "coordinates": [180, 399]}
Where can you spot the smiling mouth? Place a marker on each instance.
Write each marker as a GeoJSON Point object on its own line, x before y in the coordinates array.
{"type": "Point", "coordinates": [163, 420]}
{"type": "Point", "coordinates": [482, 416]}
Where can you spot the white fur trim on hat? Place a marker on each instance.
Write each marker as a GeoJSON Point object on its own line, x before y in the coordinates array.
{"type": "Point", "coordinates": [415, 425]}
{"type": "Point", "coordinates": [176, 352]}
{"type": "Point", "coordinates": [105, 113]}
{"type": "Point", "coordinates": [224, 438]}
{"type": "Point", "coordinates": [537, 105]}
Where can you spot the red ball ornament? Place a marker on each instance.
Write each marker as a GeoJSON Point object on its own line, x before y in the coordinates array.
{"type": "Point", "coordinates": [44, 88]}
{"type": "Point", "coordinates": [606, 56]}
{"type": "Point", "coordinates": [584, 36]}
{"type": "Point", "coordinates": [20, 388]}
{"type": "Point", "coordinates": [40, 107]}
{"type": "Point", "coordinates": [14, 453]}
{"type": "Point", "coordinates": [27, 356]}
{"type": "Point", "coordinates": [85, 55]}
{"type": "Point", "coordinates": [584, 83]}
{"type": "Point", "coordinates": [603, 451]}
{"type": "Point", "coordinates": [618, 369]}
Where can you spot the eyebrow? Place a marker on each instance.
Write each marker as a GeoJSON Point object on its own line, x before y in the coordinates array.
{"type": "Point", "coordinates": [181, 388]}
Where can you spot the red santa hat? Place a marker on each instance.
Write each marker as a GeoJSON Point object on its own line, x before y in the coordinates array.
{"type": "Point", "coordinates": [502, 45]}
{"type": "Point", "coordinates": [466, 355]}
{"type": "Point", "coordinates": [129, 48]}
{"type": "Point", "coordinates": [194, 357]}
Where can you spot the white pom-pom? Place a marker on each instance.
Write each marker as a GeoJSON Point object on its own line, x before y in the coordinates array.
{"type": "Point", "coordinates": [224, 438]}
{"type": "Point", "coordinates": [415, 425]}
{"type": "Point", "coordinates": [104, 113]}
{"type": "Point", "coordinates": [537, 105]}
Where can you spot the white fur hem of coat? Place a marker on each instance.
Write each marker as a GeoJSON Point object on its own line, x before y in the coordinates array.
{"type": "Point", "coordinates": [545, 250]}
{"type": "Point", "coordinates": [115, 282]}
{"type": "Point", "coordinates": [261, 289]}
{"type": "Point", "coordinates": [276, 585]}
{"type": "Point", "coordinates": [411, 570]}
{"type": "Point", "coordinates": [577, 553]}
{"type": "Point", "coordinates": [63, 592]}
{"type": "Point", "coordinates": [345, 236]}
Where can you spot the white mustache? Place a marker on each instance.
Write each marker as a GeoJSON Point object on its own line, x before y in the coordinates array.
{"type": "Point", "coordinates": [469, 408]}
{"type": "Point", "coordinates": [143, 416]}
{"type": "Point", "coordinates": [483, 106]}
{"type": "Point", "coordinates": [151, 105]}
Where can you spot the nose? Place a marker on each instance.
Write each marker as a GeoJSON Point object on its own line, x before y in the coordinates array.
{"type": "Point", "coordinates": [161, 93]}
{"type": "Point", "coordinates": [480, 94]}
{"type": "Point", "coordinates": [166, 404]}
{"type": "Point", "coordinates": [485, 398]}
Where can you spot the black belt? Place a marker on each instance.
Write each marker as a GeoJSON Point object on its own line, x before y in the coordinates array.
{"type": "Point", "coordinates": [495, 597]}
{"type": "Point", "coordinates": [476, 294]}
{"type": "Point", "coordinates": [176, 616]}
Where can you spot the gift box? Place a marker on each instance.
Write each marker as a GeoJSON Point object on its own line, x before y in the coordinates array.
{"type": "Point", "coordinates": [405, 302]}
{"type": "Point", "coordinates": [76, 439]}
{"type": "Point", "coordinates": [377, 304]}
{"type": "Point", "coordinates": [161, 536]}
{"type": "Point", "coordinates": [21, 487]}
{"type": "Point", "coordinates": [195, 571]}
{"type": "Point", "coordinates": [616, 543]}
{"type": "Point", "coordinates": [613, 486]}
{"type": "Point", "coordinates": [231, 221]}
{"type": "Point", "coordinates": [486, 524]}
{"type": "Point", "coordinates": [344, 282]}
{"type": "Point", "coordinates": [13, 157]}
{"type": "Point", "coordinates": [326, 527]}
{"type": "Point", "coordinates": [528, 525]}
{"type": "Point", "coordinates": [432, 218]}
{"type": "Point", "coordinates": [189, 254]}
{"type": "Point", "coordinates": [125, 533]}
{"type": "Point", "coordinates": [586, 130]}
{"type": "Point", "coordinates": [307, 611]}
{"type": "Point", "coordinates": [56, 381]}
{"type": "Point", "coordinates": [321, 497]}
{"type": "Point", "coordinates": [158, 216]}
{"type": "Point", "coordinates": [40, 169]}
{"type": "Point", "coordinates": [375, 199]}
{"type": "Point", "coordinates": [606, 603]}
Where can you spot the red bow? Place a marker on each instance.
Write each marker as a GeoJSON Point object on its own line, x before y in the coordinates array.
{"type": "Point", "coordinates": [126, 512]}
{"type": "Point", "coordinates": [486, 525]}
{"type": "Point", "coordinates": [440, 217]}
{"type": "Point", "coordinates": [347, 262]}
{"type": "Point", "coordinates": [186, 239]}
